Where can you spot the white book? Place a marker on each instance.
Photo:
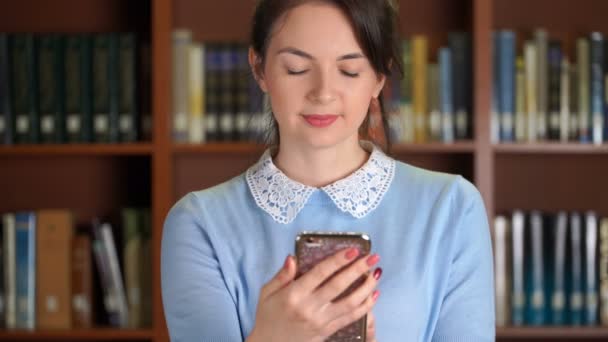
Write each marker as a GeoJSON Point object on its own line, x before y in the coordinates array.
{"type": "Point", "coordinates": [196, 93]}
{"type": "Point", "coordinates": [116, 281]}
{"type": "Point", "coordinates": [564, 103]}
{"type": "Point", "coordinates": [603, 276]}
{"type": "Point", "coordinates": [502, 271]}
{"type": "Point", "coordinates": [181, 42]}
{"type": "Point", "coordinates": [10, 283]}
{"type": "Point", "coordinates": [591, 298]}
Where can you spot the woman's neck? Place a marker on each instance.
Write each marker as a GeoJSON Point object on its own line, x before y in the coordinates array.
{"type": "Point", "coordinates": [318, 167]}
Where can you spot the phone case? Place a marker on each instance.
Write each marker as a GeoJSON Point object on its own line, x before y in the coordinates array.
{"type": "Point", "coordinates": [313, 247]}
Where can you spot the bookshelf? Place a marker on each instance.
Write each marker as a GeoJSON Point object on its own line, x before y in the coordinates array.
{"type": "Point", "coordinates": [159, 172]}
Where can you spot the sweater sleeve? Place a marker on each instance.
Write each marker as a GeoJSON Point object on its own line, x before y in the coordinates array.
{"type": "Point", "coordinates": [467, 311]}
{"type": "Point", "coordinates": [196, 301]}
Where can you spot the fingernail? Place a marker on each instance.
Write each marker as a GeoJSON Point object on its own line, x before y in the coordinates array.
{"type": "Point", "coordinates": [373, 259]}
{"type": "Point", "coordinates": [377, 273]}
{"type": "Point", "coordinates": [352, 253]}
{"type": "Point", "coordinates": [375, 295]}
{"type": "Point", "coordinates": [286, 264]}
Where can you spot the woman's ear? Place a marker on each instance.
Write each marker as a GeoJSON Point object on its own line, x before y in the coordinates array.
{"type": "Point", "coordinates": [379, 85]}
{"type": "Point", "coordinates": [255, 63]}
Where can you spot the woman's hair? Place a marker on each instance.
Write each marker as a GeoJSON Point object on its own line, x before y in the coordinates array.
{"type": "Point", "coordinates": [374, 23]}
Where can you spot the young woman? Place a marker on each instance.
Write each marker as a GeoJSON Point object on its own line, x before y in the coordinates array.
{"type": "Point", "coordinates": [227, 273]}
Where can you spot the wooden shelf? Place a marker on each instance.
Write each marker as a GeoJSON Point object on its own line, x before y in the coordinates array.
{"type": "Point", "coordinates": [550, 148]}
{"type": "Point", "coordinates": [551, 333]}
{"type": "Point", "coordinates": [246, 148]}
{"type": "Point", "coordinates": [77, 149]}
{"type": "Point", "coordinates": [456, 147]}
{"type": "Point", "coordinates": [218, 148]}
{"type": "Point", "coordinates": [78, 335]}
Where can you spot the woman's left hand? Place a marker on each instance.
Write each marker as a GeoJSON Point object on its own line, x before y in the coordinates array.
{"type": "Point", "coordinates": [371, 328]}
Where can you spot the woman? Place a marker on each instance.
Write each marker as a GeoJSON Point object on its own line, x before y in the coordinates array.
{"type": "Point", "coordinates": [226, 270]}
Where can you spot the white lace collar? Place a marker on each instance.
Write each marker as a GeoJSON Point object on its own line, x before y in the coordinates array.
{"type": "Point", "coordinates": [358, 194]}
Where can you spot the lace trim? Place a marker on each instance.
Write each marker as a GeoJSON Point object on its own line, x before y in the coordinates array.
{"type": "Point", "coordinates": [358, 194]}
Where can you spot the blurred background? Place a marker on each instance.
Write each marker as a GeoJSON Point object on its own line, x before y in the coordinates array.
{"type": "Point", "coordinates": [111, 110]}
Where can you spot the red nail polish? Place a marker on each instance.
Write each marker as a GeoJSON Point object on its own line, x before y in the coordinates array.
{"type": "Point", "coordinates": [377, 273]}
{"type": "Point", "coordinates": [373, 259]}
{"type": "Point", "coordinates": [375, 295]}
{"type": "Point", "coordinates": [352, 253]}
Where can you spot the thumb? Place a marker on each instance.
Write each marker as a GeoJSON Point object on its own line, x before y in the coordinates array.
{"type": "Point", "coordinates": [283, 277]}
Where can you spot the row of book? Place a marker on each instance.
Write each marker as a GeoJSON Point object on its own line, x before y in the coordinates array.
{"type": "Point", "coordinates": [540, 93]}
{"type": "Point", "coordinates": [56, 275]}
{"type": "Point", "coordinates": [74, 88]}
{"type": "Point", "coordinates": [215, 97]}
{"type": "Point", "coordinates": [433, 101]}
{"type": "Point", "coordinates": [551, 268]}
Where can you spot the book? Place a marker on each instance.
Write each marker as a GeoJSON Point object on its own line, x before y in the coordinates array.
{"type": "Point", "coordinates": [502, 270]}
{"type": "Point", "coordinates": [25, 266]}
{"type": "Point", "coordinates": [53, 272]}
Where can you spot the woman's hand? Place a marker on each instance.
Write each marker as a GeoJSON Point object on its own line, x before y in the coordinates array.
{"type": "Point", "coordinates": [371, 328]}
{"type": "Point", "coordinates": [303, 311]}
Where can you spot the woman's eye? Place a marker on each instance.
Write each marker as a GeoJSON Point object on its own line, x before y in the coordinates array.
{"type": "Point", "coordinates": [350, 74]}
{"type": "Point", "coordinates": [293, 72]}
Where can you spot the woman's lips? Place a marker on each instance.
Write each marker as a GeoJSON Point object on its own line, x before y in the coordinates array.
{"type": "Point", "coordinates": [320, 120]}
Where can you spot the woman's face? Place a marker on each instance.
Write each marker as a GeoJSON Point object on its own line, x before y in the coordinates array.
{"type": "Point", "coordinates": [319, 81]}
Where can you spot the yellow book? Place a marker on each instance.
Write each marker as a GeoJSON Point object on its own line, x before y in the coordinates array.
{"type": "Point", "coordinates": [196, 97]}
{"type": "Point", "coordinates": [420, 63]}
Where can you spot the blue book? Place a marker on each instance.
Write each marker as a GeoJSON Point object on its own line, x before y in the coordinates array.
{"type": "Point", "coordinates": [25, 252]}
{"type": "Point", "coordinates": [597, 87]}
{"type": "Point", "coordinates": [496, 106]}
{"type": "Point", "coordinates": [575, 301]}
{"type": "Point", "coordinates": [535, 274]}
{"type": "Point", "coordinates": [446, 101]}
{"type": "Point", "coordinates": [507, 84]}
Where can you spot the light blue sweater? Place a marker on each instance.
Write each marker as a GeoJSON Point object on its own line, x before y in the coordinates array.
{"type": "Point", "coordinates": [220, 247]}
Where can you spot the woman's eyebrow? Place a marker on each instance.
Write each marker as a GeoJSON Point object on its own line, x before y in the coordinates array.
{"type": "Point", "coordinates": [303, 54]}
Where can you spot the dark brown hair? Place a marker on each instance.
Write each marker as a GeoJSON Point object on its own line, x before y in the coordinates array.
{"type": "Point", "coordinates": [374, 23]}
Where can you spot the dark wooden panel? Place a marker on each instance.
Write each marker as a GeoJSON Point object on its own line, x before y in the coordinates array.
{"type": "Point", "coordinates": [558, 15]}
{"type": "Point", "coordinates": [461, 164]}
{"type": "Point", "coordinates": [565, 20]}
{"type": "Point", "coordinates": [435, 16]}
{"type": "Point", "coordinates": [89, 186]}
{"type": "Point", "coordinates": [551, 182]}
{"type": "Point", "coordinates": [75, 16]}
{"type": "Point", "coordinates": [195, 172]}
{"type": "Point", "coordinates": [227, 20]}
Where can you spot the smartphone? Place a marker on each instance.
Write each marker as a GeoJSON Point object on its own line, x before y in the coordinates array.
{"type": "Point", "coordinates": [314, 247]}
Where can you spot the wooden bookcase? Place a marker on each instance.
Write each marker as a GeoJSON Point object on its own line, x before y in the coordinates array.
{"type": "Point", "coordinates": [97, 179]}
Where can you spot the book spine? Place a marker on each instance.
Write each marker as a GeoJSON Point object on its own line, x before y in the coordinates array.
{"type": "Point", "coordinates": [542, 70]}
{"type": "Point", "coordinates": [128, 112]}
{"type": "Point", "coordinates": [507, 84]}
{"type": "Point", "coordinates": [181, 40]}
{"type": "Point", "coordinates": [518, 298]}
{"type": "Point", "coordinates": [196, 129]}
{"type": "Point", "coordinates": [6, 107]}
{"type": "Point", "coordinates": [597, 87]}
{"type": "Point", "coordinates": [10, 272]}
{"type": "Point", "coordinates": [576, 301]}
{"type": "Point", "coordinates": [420, 96]}
{"type": "Point", "coordinates": [584, 112]}
{"type": "Point", "coordinates": [25, 259]}
{"type": "Point", "coordinates": [555, 60]}
{"type": "Point", "coordinates": [446, 99]}
{"type": "Point", "coordinates": [591, 288]}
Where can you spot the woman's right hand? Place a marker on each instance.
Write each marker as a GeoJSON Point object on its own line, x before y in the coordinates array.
{"type": "Point", "coordinates": [301, 311]}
